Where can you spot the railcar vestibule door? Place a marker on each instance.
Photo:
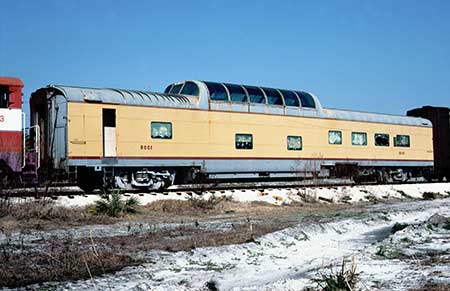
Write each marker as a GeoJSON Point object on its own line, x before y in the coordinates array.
{"type": "Point", "coordinates": [109, 132]}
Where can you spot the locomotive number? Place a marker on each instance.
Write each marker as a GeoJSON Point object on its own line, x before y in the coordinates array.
{"type": "Point", "coordinates": [2, 118]}
{"type": "Point", "coordinates": [146, 147]}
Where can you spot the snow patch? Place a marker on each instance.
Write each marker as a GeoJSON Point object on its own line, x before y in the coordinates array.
{"type": "Point", "coordinates": [282, 196]}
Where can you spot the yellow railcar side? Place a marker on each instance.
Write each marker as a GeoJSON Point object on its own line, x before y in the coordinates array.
{"type": "Point", "coordinates": [211, 134]}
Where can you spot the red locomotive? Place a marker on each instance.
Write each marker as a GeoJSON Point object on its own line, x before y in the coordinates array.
{"type": "Point", "coordinates": [11, 137]}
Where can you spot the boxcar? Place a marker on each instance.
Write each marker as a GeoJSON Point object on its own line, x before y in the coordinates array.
{"type": "Point", "coordinates": [440, 117]}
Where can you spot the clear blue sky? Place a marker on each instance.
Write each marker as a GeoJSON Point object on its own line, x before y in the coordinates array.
{"type": "Point", "coordinates": [383, 56]}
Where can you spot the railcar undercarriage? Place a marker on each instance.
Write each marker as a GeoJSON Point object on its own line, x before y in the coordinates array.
{"type": "Point", "coordinates": [147, 179]}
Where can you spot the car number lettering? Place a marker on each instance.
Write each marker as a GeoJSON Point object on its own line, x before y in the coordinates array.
{"type": "Point", "coordinates": [146, 147]}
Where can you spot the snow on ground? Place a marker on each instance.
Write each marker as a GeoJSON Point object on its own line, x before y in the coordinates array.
{"type": "Point", "coordinates": [287, 195]}
{"type": "Point", "coordinates": [288, 259]}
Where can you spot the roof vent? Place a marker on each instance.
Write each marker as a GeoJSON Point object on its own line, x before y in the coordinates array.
{"type": "Point", "coordinates": [91, 96]}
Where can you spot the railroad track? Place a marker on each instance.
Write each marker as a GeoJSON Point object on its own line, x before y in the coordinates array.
{"type": "Point", "coordinates": [54, 191]}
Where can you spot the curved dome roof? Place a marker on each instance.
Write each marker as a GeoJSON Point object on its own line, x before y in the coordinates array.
{"type": "Point", "coordinates": [146, 98]}
{"type": "Point", "coordinates": [118, 96]}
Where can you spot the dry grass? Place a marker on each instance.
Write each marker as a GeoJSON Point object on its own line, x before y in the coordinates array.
{"type": "Point", "coordinates": [432, 286]}
{"type": "Point", "coordinates": [44, 213]}
{"type": "Point", "coordinates": [196, 206]}
{"type": "Point", "coordinates": [169, 206]}
{"type": "Point", "coordinates": [344, 279]}
{"type": "Point", "coordinates": [5, 205]}
{"type": "Point", "coordinates": [189, 236]}
{"type": "Point", "coordinates": [61, 260]}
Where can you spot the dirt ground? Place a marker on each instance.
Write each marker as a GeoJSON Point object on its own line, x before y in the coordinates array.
{"type": "Point", "coordinates": [41, 241]}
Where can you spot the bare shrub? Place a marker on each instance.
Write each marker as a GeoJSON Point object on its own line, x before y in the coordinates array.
{"type": "Point", "coordinates": [430, 195]}
{"type": "Point", "coordinates": [309, 196]}
{"type": "Point", "coordinates": [5, 205]}
{"type": "Point", "coordinates": [212, 285]}
{"type": "Point", "coordinates": [343, 279]}
{"type": "Point", "coordinates": [206, 204]}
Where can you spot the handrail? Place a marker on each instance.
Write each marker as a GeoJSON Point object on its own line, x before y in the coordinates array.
{"type": "Point", "coordinates": [24, 147]}
{"type": "Point", "coordinates": [37, 144]}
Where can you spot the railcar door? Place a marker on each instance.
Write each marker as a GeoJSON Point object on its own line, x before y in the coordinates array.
{"type": "Point", "coordinates": [109, 132]}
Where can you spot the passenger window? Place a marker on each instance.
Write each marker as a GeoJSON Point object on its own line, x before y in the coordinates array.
{"type": "Point", "coordinates": [244, 141]}
{"type": "Point", "coordinates": [176, 89]}
{"type": "Point", "coordinates": [190, 88]}
{"type": "Point", "coordinates": [162, 130]}
{"type": "Point", "coordinates": [290, 99]}
{"type": "Point", "coordinates": [167, 90]}
{"type": "Point", "coordinates": [306, 99]}
{"type": "Point", "coordinates": [359, 138]}
{"type": "Point", "coordinates": [381, 139]}
{"type": "Point", "coordinates": [4, 96]}
{"type": "Point", "coordinates": [237, 94]}
{"type": "Point", "coordinates": [334, 137]}
{"type": "Point", "coordinates": [255, 94]}
{"type": "Point", "coordinates": [217, 91]}
{"type": "Point", "coordinates": [402, 141]}
{"type": "Point", "coordinates": [273, 96]}
{"type": "Point", "coordinates": [294, 143]}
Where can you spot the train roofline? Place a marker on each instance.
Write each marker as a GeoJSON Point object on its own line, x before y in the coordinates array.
{"type": "Point", "coordinates": [11, 81]}
{"type": "Point", "coordinates": [155, 99]}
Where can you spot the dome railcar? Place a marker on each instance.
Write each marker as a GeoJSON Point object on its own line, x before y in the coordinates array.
{"type": "Point", "coordinates": [218, 131]}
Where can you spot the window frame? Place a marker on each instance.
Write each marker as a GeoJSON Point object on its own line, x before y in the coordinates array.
{"type": "Point", "coordinates": [380, 145]}
{"type": "Point", "coordinates": [5, 97]}
{"type": "Point", "coordinates": [359, 132]}
{"type": "Point", "coordinates": [188, 83]}
{"type": "Point", "coordinates": [210, 87]}
{"type": "Point", "coordinates": [161, 122]}
{"type": "Point", "coordinates": [340, 133]}
{"type": "Point", "coordinates": [273, 93]}
{"type": "Point", "coordinates": [287, 95]}
{"type": "Point", "coordinates": [249, 95]}
{"type": "Point", "coordinates": [402, 146]}
{"type": "Point", "coordinates": [294, 149]}
{"type": "Point", "coordinates": [175, 86]}
{"type": "Point", "coordinates": [168, 88]}
{"type": "Point", "coordinates": [236, 142]}
{"type": "Point", "coordinates": [307, 101]}
{"type": "Point", "coordinates": [231, 90]}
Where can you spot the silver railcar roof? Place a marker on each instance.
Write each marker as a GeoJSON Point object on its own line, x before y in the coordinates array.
{"type": "Point", "coordinates": [146, 98]}
{"type": "Point", "coordinates": [338, 114]}
{"type": "Point", "coordinates": [122, 96]}
{"type": "Point", "coordinates": [374, 117]}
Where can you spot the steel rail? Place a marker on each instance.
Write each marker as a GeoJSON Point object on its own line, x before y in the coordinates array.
{"type": "Point", "coordinates": [61, 190]}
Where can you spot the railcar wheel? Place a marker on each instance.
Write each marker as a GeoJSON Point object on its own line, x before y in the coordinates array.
{"type": "Point", "coordinates": [400, 175]}
{"type": "Point", "coordinates": [87, 180]}
{"type": "Point", "coordinates": [8, 179]}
